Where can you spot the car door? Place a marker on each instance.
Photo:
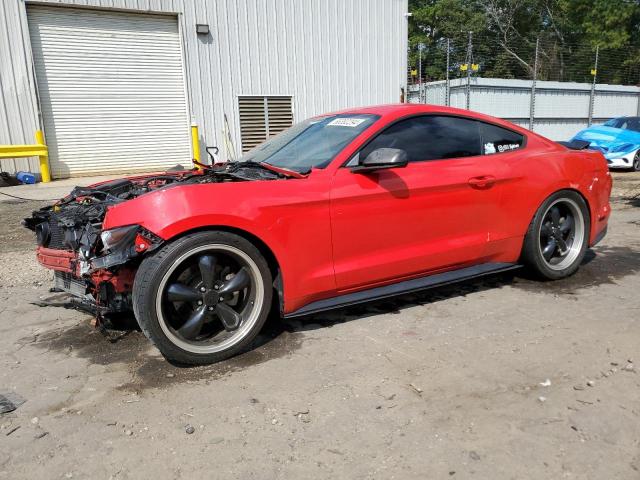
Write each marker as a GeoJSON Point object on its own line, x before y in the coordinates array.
{"type": "Point", "coordinates": [506, 147]}
{"type": "Point", "coordinates": [432, 215]}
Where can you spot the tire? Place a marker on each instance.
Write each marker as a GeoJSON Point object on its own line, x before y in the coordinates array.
{"type": "Point", "coordinates": [636, 162]}
{"type": "Point", "coordinates": [543, 246]}
{"type": "Point", "coordinates": [203, 297]}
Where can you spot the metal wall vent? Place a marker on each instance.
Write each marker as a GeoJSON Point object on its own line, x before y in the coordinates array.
{"type": "Point", "coordinates": [263, 117]}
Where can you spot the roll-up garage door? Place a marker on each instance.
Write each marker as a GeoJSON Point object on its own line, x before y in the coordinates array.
{"type": "Point", "coordinates": [112, 92]}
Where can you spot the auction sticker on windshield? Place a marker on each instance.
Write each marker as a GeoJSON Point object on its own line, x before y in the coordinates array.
{"type": "Point", "coordinates": [346, 122]}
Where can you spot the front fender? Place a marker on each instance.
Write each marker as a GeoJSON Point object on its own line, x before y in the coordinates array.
{"type": "Point", "coordinates": [173, 211]}
{"type": "Point", "coordinates": [291, 218]}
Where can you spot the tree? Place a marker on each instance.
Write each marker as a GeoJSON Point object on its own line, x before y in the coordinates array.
{"type": "Point", "coordinates": [514, 24]}
{"type": "Point", "coordinates": [505, 34]}
{"type": "Point", "coordinates": [435, 21]}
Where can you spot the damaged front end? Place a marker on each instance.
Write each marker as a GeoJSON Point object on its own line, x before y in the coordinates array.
{"type": "Point", "coordinates": [94, 265]}
{"type": "Point", "coordinates": [98, 266]}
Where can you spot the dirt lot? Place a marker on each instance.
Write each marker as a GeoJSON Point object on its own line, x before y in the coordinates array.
{"type": "Point", "coordinates": [501, 378]}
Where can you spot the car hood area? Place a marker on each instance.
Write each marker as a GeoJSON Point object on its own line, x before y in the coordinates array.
{"type": "Point", "coordinates": [609, 140]}
{"type": "Point", "coordinates": [77, 222]}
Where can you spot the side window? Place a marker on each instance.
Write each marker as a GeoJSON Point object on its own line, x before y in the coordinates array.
{"type": "Point", "coordinates": [634, 124]}
{"type": "Point", "coordinates": [497, 139]}
{"type": "Point", "coordinates": [431, 137]}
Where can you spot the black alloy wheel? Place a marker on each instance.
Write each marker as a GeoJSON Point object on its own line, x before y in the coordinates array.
{"type": "Point", "coordinates": [203, 297]}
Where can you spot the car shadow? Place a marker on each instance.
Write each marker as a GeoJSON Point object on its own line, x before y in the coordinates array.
{"type": "Point", "coordinates": [633, 201]}
{"type": "Point", "coordinates": [601, 265]}
{"type": "Point", "coordinates": [121, 339]}
{"type": "Point", "coordinates": [395, 305]}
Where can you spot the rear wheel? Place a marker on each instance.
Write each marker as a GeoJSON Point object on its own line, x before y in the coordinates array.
{"type": "Point", "coordinates": [203, 297]}
{"type": "Point", "coordinates": [558, 236]}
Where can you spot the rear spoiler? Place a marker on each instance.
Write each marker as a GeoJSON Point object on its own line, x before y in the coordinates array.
{"type": "Point", "coordinates": [576, 144]}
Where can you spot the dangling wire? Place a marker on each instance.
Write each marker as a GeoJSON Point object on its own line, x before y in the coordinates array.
{"type": "Point", "coordinates": [30, 199]}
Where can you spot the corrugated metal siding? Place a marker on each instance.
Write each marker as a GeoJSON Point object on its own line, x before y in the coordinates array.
{"type": "Point", "coordinates": [18, 105]}
{"type": "Point", "coordinates": [112, 90]}
{"type": "Point", "coordinates": [561, 108]}
{"type": "Point", "coordinates": [325, 54]}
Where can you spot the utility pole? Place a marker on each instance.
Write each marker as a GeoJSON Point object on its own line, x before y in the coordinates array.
{"type": "Point", "coordinates": [448, 85]}
{"type": "Point", "coordinates": [404, 89]}
{"type": "Point", "coordinates": [420, 48]}
{"type": "Point", "coordinates": [469, 60]}
{"type": "Point", "coordinates": [594, 72]}
{"type": "Point", "coordinates": [532, 105]}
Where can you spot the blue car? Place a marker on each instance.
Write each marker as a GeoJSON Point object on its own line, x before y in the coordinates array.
{"type": "Point", "coordinates": [618, 139]}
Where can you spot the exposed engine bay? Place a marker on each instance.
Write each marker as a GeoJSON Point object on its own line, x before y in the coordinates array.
{"type": "Point", "coordinates": [97, 266]}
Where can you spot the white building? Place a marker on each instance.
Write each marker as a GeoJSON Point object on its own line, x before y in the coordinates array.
{"type": "Point", "coordinates": [115, 84]}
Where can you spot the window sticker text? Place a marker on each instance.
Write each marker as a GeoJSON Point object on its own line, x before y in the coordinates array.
{"type": "Point", "coordinates": [490, 147]}
{"type": "Point", "coordinates": [345, 122]}
{"type": "Point", "coordinates": [509, 146]}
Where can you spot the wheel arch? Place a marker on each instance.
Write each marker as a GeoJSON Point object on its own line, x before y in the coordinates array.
{"type": "Point", "coordinates": [564, 189]}
{"type": "Point", "coordinates": [583, 196]}
{"type": "Point", "coordinates": [265, 250]}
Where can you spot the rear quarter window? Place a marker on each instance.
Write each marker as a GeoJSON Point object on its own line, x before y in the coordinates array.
{"type": "Point", "coordinates": [499, 140]}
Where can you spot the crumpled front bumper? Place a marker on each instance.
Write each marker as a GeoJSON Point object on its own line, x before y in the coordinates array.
{"type": "Point", "coordinates": [59, 260]}
{"type": "Point", "coordinates": [100, 290]}
{"type": "Point", "coordinates": [66, 269]}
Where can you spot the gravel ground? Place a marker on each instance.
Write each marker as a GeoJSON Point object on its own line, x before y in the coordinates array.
{"type": "Point", "coordinates": [499, 378]}
{"type": "Point", "coordinates": [18, 267]}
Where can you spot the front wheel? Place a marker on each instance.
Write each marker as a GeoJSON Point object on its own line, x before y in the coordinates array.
{"type": "Point", "coordinates": [204, 297]}
{"type": "Point", "coordinates": [636, 162]}
{"type": "Point", "coordinates": [558, 236]}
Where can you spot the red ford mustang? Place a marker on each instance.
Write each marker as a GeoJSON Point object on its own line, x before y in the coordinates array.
{"type": "Point", "coordinates": [339, 209]}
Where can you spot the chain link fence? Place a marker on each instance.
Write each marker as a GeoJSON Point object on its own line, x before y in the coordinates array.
{"type": "Point", "coordinates": [545, 85]}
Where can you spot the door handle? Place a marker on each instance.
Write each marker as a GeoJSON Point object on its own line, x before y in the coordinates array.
{"type": "Point", "coordinates": [483, 181]}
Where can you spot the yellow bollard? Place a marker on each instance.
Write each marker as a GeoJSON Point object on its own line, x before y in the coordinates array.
{"type": "Point", "coordinates": [44, 159]}
{"type": "Point", "coordinates": [195, 144]}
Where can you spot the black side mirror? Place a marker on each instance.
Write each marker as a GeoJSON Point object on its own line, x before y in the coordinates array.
{"type": "Point", "coordinates": [382, 158]}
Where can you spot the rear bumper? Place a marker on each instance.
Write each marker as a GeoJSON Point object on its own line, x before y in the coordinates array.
{"type": "Point", "coordinates": [598, 193]}
{"type": "Point", "coordinates": [599, 236]}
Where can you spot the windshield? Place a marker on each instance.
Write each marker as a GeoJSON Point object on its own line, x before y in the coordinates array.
{"type": "Point", "coordinates": [312, 143]}
{"type": "Point", "coordinates": [625, 123]}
